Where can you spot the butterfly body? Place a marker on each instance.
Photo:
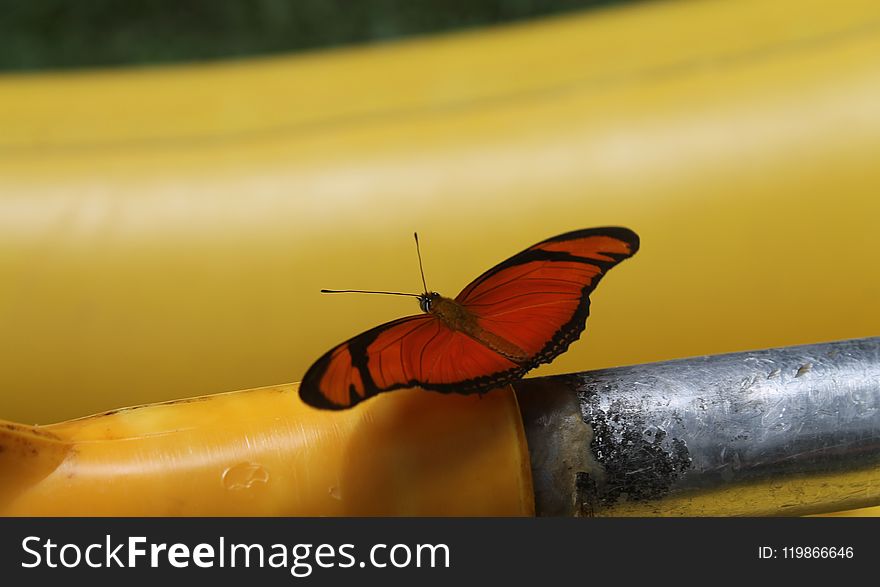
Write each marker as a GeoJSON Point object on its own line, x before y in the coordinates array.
{"type": "Point", "coordinates": [457, 317]}
{"type": "Point", "coordinates": [523, 312]}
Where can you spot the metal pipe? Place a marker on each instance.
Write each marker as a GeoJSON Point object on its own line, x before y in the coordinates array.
{"type": "Point", "coordinates": [787, 431]}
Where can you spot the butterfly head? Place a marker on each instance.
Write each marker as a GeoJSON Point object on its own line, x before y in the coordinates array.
{"type": "Point", "coordinates": [426, 300]}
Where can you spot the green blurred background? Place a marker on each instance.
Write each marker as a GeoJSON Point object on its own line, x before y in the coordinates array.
{"type": "Point", "coordinates": [55, 34]}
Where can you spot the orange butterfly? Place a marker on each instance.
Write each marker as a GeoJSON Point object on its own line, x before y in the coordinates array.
{"type": "Point", "coordinates": [523, 312]}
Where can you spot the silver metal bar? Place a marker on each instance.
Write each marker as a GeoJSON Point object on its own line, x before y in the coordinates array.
{"type": "Point", "coordinates": [787, 431]}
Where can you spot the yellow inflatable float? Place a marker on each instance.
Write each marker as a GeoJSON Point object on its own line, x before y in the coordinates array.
{"type": "Point", "coordinates": [164, 232]}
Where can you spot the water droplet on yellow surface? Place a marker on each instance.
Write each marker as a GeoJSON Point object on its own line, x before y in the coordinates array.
{"type": "Point", "coordinates": [335, 493]}
{"type": "Point", "coordinates": [245, 476]}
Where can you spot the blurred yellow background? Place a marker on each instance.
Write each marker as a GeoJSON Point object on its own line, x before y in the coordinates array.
{"type": "Point", "coordinates": [164, 232]}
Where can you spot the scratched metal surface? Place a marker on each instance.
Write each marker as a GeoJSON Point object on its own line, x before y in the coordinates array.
{"type": "Point", "coordinates": [774, 432]}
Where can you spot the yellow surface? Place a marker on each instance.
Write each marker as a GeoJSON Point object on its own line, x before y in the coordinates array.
{"type": "Point", "coordinates": [262, 452]}
{"type": "Point", "coordinates": [164, 232]}
{"type": "Point", "coordinates": [872, 512]}
{"type": "Point", "coordinates": [171, 227]}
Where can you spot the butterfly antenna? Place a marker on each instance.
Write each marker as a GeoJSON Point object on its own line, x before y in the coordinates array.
{"type": "Point", "coordinates": [421, 269]}
{"type": "Point", "coordinates": [387, 293]}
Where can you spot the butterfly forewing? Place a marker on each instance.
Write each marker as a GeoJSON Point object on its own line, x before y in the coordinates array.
{"type": "Point", "coordinates": [417, 351]}
{"type": "Point", "coordinates": [539, 298]}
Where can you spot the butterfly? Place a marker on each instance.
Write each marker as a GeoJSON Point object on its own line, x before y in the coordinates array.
{"type": "Point", "coordinates": [521, 313]}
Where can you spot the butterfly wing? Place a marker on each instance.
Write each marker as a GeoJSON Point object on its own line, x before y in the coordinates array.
{"type": "Point", "coordinates": [539, 299]}
{"type": "Point", "coordinates": [413, 351]}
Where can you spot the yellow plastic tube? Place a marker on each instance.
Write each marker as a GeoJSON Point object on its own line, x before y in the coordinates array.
{"type": "Point", "coordinates": [262, 452]}
{"type": "Point", "coordinates": [170, 228]}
